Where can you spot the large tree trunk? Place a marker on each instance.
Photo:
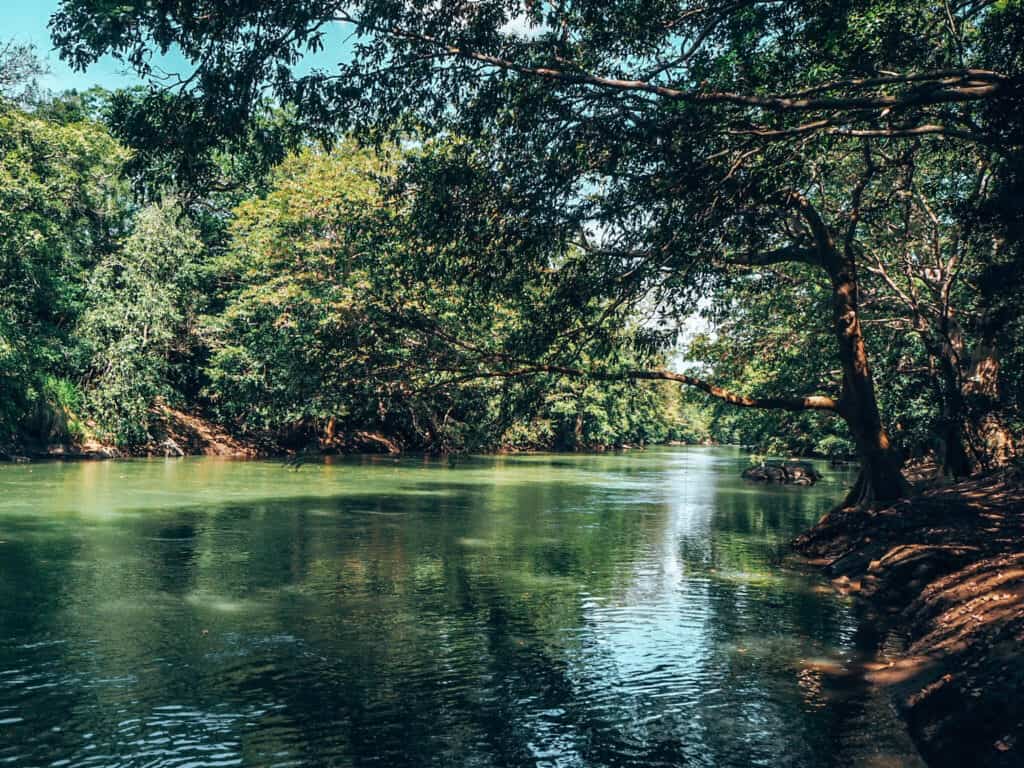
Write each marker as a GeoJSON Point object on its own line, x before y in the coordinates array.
{"type": "Point", "coordinates": [972, 427]}
{"type": "Point", "coordinates": [988, 436]}
{"type": "Point", "coordinates": [957, 461]}
{"type": "Point", "coordinates": [880, 479]}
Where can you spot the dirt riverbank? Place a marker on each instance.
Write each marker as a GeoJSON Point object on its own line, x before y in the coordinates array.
{"type": "Point", "coordinates": [175, 432]}
{"type": "Point", "coordinates": [941, 577]}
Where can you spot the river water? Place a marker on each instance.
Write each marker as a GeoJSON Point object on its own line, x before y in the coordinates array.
{"type": "Point", "coordinates": [552, 610]}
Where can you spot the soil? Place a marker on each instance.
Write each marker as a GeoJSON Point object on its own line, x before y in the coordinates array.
{"type": "Point", "coordinates": [174, 433]}
{"type": "Point", "coordinates": [177, 432]}
{"type": "Point", "coordinates": [941, 578]}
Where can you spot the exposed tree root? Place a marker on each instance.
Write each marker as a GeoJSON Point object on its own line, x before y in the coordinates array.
{"type": "Point", "coordinates": [942, 576]}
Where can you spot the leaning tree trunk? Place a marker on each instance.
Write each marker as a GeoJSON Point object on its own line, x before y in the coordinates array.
{"type": "Point", "coordinates": [880, 480]}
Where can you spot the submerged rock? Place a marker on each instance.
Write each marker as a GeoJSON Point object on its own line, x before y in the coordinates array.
{"type": "Point", "coordinates": [783, 473]}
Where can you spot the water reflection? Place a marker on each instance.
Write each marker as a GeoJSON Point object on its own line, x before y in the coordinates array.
{"type": "Point", "coordinates": [564, 611]}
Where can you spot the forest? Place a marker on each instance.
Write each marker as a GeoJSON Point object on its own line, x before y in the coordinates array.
{"type": "Point", "coordinates": [280, 301]}
{"type": "Point", "coordinates": [484, 226]}
{"type": "Point", "coordinates": [320, 262]}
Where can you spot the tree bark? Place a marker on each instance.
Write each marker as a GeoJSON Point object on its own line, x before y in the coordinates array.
{"type": "Point", "coordinates": [880, 479]}
{"type": "Point", "coordinates": [973, 430]}
{"type": "Point", "coordinates": [988, 437]}
{"type": "Point", "coordinates": [957, 460]}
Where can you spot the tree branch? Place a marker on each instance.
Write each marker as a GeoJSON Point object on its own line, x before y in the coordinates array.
{"type": "Point", "coordinates": [785, 255]}
{"type": "Point", "coordinates": [933, 87]}
{"type": "Point", "coordinates": [828, 126]}
{"type": "Point", "coordinates": [809, 403]}
{"type": "Point", "coordinates": [826, 246]}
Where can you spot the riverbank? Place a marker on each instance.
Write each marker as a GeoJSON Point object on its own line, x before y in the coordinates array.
{"type": "Point", "coordinates": [941, 578]}
{"type": "Point", "coordinates": [176, 432]}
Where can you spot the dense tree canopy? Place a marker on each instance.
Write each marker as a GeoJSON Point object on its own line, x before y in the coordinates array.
{"type": "Point", "coordinates": [755, 62]}
{"type": "Point", "coordinates": [137, 331]}
{"type": "Point", "coordinates": [665, 142]}
{"type": "Point", "coordinates": [62, 209]}
{"type": "Point", "coordinates": [331, 327]}
{"type": "Point", "coordinates": [493, 225]}
{"type": "Point", "coordinates": [290, 307]}
{"type": "Point", "coordinates": [555, 189]}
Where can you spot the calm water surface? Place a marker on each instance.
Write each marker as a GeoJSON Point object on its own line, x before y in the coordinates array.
{"type": "Point", "coordinates": [530, 611]}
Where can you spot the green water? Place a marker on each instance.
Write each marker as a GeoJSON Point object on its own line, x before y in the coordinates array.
{"type": "Point", "coordinates": [529, 611]}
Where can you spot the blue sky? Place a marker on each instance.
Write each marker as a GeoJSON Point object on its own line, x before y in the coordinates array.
{"type": "Point", "coordinates": [26, 21]}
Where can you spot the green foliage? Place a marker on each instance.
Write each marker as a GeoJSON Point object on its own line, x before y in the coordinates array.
{"type": "Point", "coordinates": [324, 317]}
{"type": "Point", "coordinates": [59, 411]}
{"type": "Point", "coordinates": [301, 333]}
{"type": "Point", "coordinates": [61, 209]}
{"type": "Point", "coordinates": [765, 338]}
{"type": "Point", "coordinates": [142, 316]}
{"type": "Point", "coordinates": [835, 186]}
{"type": "Point", "coordinates": [332, 328]}
{"type": "Point", "coordinates": [575, 416]}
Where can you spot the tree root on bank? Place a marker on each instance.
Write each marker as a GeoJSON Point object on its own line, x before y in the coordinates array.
{"type": "Point", "coordinates": [944, 572]}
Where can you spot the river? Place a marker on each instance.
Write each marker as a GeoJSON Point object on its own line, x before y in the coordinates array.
{"type": "Point", "coordinates": [547, 610]}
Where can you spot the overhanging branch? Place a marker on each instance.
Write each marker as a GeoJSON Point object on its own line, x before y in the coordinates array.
{"type": "Point", "coordinates": [946, 86]}
{"type": "Point", "coordinates": [786, 255]}
{"type": "Point", "coordinates": [808, 403]}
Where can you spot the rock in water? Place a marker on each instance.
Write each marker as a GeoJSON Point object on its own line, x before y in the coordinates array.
{"type": "Point", "coordinates": [783, 473]}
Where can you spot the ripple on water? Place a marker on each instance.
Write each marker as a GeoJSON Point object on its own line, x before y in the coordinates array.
{"type": "Point", "coordinates": [570, 611]}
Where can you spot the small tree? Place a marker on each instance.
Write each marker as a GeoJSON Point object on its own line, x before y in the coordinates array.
{"type": "Point", "coordinates": [142, 312]}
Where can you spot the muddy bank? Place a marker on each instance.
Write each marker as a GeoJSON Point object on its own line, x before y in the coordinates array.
{"type": "Point", "coordinates": [941, 578]}
{"type": "Point", "coordinates": [175, 432]}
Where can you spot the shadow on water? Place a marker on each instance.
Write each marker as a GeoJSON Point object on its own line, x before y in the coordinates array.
{"type": "Point", "coordinates": [590, 611]}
